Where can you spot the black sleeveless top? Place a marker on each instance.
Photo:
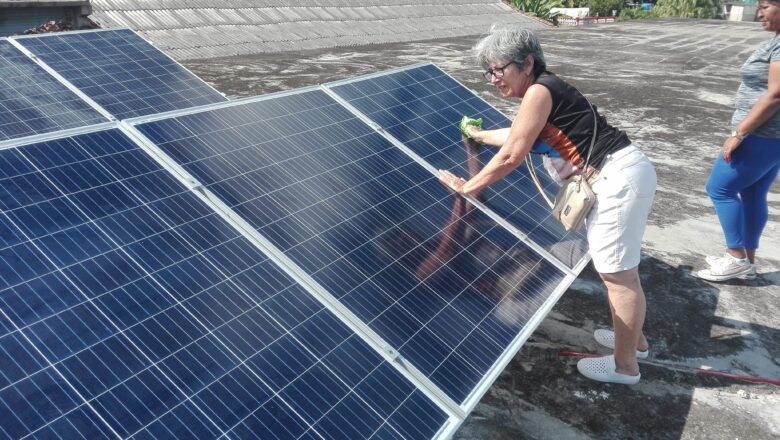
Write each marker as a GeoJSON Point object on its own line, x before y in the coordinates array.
{"type": "Point", "coordinates": [569, 127]}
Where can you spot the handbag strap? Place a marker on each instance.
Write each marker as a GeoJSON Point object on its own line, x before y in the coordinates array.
{"type": "Point", "coordinates": [595, 133]}
{"type": "Point", "coordinates": [532, 170]}
{"type": "Point", "coordinates": [535, 178]}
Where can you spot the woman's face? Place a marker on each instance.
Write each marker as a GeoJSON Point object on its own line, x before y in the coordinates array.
{"type": "Point", "coordinates": [769, 15]}
{"type": "Point", "coordinates": [511, 80]}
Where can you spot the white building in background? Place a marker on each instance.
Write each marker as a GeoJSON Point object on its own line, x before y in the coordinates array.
{"type": "Point", "coordinates": [740, 11]}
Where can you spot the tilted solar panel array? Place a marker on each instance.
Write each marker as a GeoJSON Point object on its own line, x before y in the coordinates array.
{"type": "Point", "coordinates": [33, 102]}
{"type": "Point", "coordinates": [433, 277]}
{"type": "Point", "coordinates": [130, 308]}
{"type": "Point", "coordinates": [120, 71]}
{"type": "Point", "coordinates": [270, 268]}
{"type": "Point", "coordinates": [419, 106]}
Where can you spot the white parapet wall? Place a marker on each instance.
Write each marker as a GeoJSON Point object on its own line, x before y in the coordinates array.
{"type": "Point", "coordinates": [571, 12]}
{"type": "Point", "coordinates": [189, 29]}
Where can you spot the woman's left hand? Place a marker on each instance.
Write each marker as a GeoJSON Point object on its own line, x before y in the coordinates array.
{"type": "Point", "coordinates": [452, 181]}
{"type": "Point", "coordinates": [731, 144]}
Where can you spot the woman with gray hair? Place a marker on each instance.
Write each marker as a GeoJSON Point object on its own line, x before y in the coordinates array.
{"type": "Point", "coordinates": [623, 179]}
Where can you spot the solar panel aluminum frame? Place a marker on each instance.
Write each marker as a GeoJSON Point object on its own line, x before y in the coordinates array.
{"type": "Point", "coordinates": [97, 107]}
{"type": "Point", "coordinates": [30, 140]}
{"type": "Point", "coordinates": [15, 40]}
{"type": "Point", "coordinates": [577, 268]}
{"type": "Point", "coordinates": [456, 412]}
{"type": "Point", "coordinates": [43, 137]}
{"type": "Point", "coordinates": [574, 271]}
{"type": "Point", "coordinates": [485, 209]}
{"type": "Point", "coordinates": [571, 274]}
{"type": "Point", "coordinates": [130, 132]}
{"type": "Point", "coordinates": [65, 83]}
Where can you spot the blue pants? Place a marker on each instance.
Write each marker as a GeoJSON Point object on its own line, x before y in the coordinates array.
{"type": "Point", "coordinates": [738, 190]}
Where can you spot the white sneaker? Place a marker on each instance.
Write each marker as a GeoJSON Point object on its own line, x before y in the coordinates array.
{"type": "Point", "coordinates": [726, 268]}
{"type": "Point", "coordinates": [602, 369]}
{"type": "Point", "coordinates": [711, 259]}
{"type": "Point", "coordinates": [752, 275]}
{"type": "Point", "coordinates": [607, 338]}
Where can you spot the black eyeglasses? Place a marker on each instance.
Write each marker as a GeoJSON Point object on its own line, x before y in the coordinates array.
{"type": "Point", "coordinates": [498, 72]}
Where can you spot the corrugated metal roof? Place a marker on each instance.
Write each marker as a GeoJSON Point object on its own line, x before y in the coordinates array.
{"type": "Point", "coordinates": [204, 28]}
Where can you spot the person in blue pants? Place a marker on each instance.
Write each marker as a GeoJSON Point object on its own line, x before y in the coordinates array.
{"type": "Point", "coordinates": [750, 158]}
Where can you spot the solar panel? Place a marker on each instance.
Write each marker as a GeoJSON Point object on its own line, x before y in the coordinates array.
{"type": "Point", "coordinates": [33, 102]}
{"type": "Point", "coordinates": [130, 308]}
{"type": "Point", "coordinates": [421, 106]}
{"type": "Point", "coordinates": [437, 280]}
{"type": "Point", "coordinates": [121, 71]}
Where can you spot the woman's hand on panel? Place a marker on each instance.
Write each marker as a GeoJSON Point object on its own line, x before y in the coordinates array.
{"type": "Point", "coordinates": [452, 181]}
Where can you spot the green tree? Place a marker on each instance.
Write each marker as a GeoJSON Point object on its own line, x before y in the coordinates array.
{"type": "Point", "coordinates": [604, 7]}
{"type": "Point", "coordinates": [540, 8]}
{"type": "Point", "coordinates": [688, 8]}
{"type": "Point", "coordinates": [636, 14]}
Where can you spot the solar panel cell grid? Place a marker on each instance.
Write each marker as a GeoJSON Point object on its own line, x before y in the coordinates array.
{"type": "Point", "coordinates": [33, 102]}
{"type": "Point", "coordinates": [435, 278]}
{"type": "Point", "coordinates": [163, 322]}
{"type": "Point", "coordinates": [421, 107]}
{"type": "Point", "coordinates": [122, 72]}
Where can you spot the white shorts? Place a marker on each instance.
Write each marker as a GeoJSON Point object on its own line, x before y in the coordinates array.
{"type": "Point", "coordinates": [624, 197]}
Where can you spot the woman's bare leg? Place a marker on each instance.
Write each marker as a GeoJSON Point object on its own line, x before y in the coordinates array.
{"type": "Point", "coordinates": [627, 304]}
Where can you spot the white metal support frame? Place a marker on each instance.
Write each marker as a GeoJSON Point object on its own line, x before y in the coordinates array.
{"type": "Point", "coordinates": [424, 384]}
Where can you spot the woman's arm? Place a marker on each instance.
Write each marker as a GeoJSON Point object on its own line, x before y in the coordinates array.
{"type": "Point", "coordinates": [766, 106]}
{"type": "Point", "coordinates": [531, 118]}
{"type": "Point", "coordinates": [494, 138]}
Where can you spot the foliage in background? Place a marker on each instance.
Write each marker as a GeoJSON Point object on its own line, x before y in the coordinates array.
{"type": "Point", "coordinates": [688, 8]}
{"type": "Point", "coordinates": [604, 8]}
{"type": "Point", "coordinates": [636, 14]}
{"type": "Point", "coordinates": [540, 8]}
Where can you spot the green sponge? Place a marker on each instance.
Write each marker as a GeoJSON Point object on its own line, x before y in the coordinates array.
{"type": "Point", "coordinates": [466, 122]}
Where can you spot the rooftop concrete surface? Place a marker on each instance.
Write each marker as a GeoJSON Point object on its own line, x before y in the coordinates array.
{"type": "Point", "coordinates": [670, 85]}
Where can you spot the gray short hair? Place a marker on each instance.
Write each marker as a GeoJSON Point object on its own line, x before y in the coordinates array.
{"type": "Point", "coordinates": [510, 43]}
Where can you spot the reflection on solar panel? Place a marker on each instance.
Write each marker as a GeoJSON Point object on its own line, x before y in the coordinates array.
{"type": "Point", "coordinates": [420, 106]}
{"type": "Point", "coordinates": [437, 280]}
{"type": "Point", "coordinates": [33, 102]}
{"type": "Point", "coordinates": [121, 71]}
{"type": "Point", "coordinates": [129, 308]}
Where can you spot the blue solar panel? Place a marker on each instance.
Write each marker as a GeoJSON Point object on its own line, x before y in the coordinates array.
{"type": "Point", "coordinates": [33, 102]}
{"type": "Point", "coordinates": [435, 278]}
{"type": "Point", "coordinates": [121, 71]}
{"type": "Point", "coordinates": [421, 107]}
{"type": "Point", "coordinates": [128, 308]}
